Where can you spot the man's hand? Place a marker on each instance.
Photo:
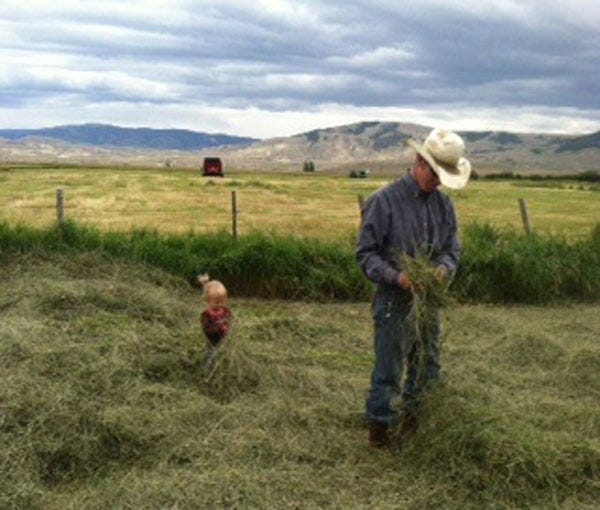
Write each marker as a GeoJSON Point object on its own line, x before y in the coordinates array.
{"type": "Point", "coordinates": [404, 281]}
{"type": "Point", "coordinates": [407, 284]}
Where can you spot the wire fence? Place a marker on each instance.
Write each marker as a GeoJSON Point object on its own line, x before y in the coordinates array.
{"type": "Point", "coordinates": [230, 218]}
{"type": "Point", "coordinates": [229, 215]}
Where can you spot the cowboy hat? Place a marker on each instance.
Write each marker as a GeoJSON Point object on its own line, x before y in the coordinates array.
{"type": "Point", "coordinates": [444, 151]}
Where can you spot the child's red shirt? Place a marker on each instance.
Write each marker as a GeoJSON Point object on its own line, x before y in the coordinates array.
{"type": "Point", "coordinates": [215, 323]}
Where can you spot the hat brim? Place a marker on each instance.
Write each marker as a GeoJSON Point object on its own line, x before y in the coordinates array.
{"type": "Point", "coordinates": [453, 177]}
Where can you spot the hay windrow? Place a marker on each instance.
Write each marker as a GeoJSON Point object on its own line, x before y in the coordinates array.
{"type": "Point", "coordinates": [233, 370]}
{"type": "Point", "coordinates": [113, 408]}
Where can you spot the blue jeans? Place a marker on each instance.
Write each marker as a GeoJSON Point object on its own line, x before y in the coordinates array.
{"type": "Point", "coordinates": [396, 347]}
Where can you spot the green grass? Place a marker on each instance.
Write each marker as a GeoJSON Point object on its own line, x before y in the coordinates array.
{"type": "Point", "coordinates": [105, 405]}
{"type": "Point", "coordinates": [496, 265]}
{"type": "Point", "coordinates": [502, 266]}
{"type": "Point", "coordinates": [255, 265]}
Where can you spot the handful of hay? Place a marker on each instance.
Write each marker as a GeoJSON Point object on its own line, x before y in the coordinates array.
{"type": "Point", "coordinates": [430, 292]}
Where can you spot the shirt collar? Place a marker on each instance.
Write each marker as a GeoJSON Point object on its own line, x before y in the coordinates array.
{"type": "Point", "coordinates": [413, 187]}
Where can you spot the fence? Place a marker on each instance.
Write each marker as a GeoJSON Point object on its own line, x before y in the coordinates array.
{"type": "Point", "coordinates": [233, 214]}
{"type": "Point", "coordinates": [60, 211]}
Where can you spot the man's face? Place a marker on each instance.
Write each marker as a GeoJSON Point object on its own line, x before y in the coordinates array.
{"type": "Point", "coordinates": [426, 178]}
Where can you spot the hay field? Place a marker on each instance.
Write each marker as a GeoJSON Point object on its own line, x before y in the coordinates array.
{"type": "Point", "coordinates": [317, 205]}
{"type": "Point", "coordinates": [105, 405]}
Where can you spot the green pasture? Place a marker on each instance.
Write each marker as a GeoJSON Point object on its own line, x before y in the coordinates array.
{"type": "Point", "coordinates": [319, 206]}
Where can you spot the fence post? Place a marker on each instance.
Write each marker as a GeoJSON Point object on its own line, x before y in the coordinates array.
{"type": "Point", "coordinates": [233, 215]}
{"type": "Point", "coordinates": [60, 208]}
{"type": "Point", "coordinates": [361, 203]}
{"type": "Point", "coordinates": [525, 216]}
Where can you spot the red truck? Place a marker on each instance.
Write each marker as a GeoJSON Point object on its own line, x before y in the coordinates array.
{"type": "Point", "coordinates": [212, 167]}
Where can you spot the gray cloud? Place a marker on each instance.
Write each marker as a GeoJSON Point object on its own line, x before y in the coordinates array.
{"type": "Point", "coordinates": [302, 56]}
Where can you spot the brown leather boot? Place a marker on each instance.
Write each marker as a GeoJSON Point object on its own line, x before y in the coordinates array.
{"type": "Point", "coordinates": [409, 425]}
{"type": "Point", "coordinates": [378, 435]}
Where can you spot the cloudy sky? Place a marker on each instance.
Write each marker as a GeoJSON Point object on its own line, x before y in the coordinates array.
{"type": "Point", "coordinates": [268, 68]}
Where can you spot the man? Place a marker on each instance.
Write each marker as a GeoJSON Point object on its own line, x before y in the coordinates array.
{"type": "Point", "coordinates": [407, 216]}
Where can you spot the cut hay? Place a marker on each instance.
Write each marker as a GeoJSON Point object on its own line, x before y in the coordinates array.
{"type": "Point", "coordinates": [232, 370]}
{"type": "Point", "coordinates": [105, 402]}
{"type": "Point", "coordinates": [430, 292]}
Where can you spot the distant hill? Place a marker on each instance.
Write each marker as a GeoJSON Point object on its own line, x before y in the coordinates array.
{"type": "Point", "coordinates": [380, 146]}
{"type": "Point", "coordinates": [580, 143]}
{"type": "Point", "coordinates": [103, 135]}
{"type": "Point", "coordinates": [377, 146]}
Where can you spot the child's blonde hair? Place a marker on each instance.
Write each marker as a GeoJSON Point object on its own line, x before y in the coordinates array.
{"type": "Point", "coordinates": [213, 289]}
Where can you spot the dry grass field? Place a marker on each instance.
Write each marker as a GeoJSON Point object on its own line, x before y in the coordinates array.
{"type": "Point", "coordinates": [320, 206]}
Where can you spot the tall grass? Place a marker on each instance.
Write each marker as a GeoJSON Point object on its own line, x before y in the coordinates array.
{"type": "Point", "coordinates": [261, 265]}
{"type": "Point", "coordinates": [496, 265]}
{"type": "Point", "coordinates": [501, 266]}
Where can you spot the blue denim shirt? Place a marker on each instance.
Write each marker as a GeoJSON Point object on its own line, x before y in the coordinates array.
{"type": "Point", "coordinates": [400, 218]}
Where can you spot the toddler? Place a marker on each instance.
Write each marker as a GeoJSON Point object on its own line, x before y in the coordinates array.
{"type": "Point", "coordinates": [216, 317]}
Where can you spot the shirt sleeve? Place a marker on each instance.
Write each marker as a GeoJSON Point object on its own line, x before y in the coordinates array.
{"type": "Point", "coordinates": [450, 251]}
{"type": "Point", "coordinates": [370, 244]}
{"type": "Point", "coordinates": [225, 322]}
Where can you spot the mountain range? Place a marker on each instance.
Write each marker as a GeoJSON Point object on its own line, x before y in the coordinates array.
{"type": "Point", "coordinates": [103, 135]}
{"type": "Point", "coordinates": [377, 146]}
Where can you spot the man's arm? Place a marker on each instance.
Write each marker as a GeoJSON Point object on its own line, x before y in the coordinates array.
{"type": "Point", "coordinates": [449, 254]}
{"type": "Point", "coordinates": [371, 242]}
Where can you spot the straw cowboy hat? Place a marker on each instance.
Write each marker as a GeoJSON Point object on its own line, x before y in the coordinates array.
{"type": "Point", "coordinates": [444, 151]}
